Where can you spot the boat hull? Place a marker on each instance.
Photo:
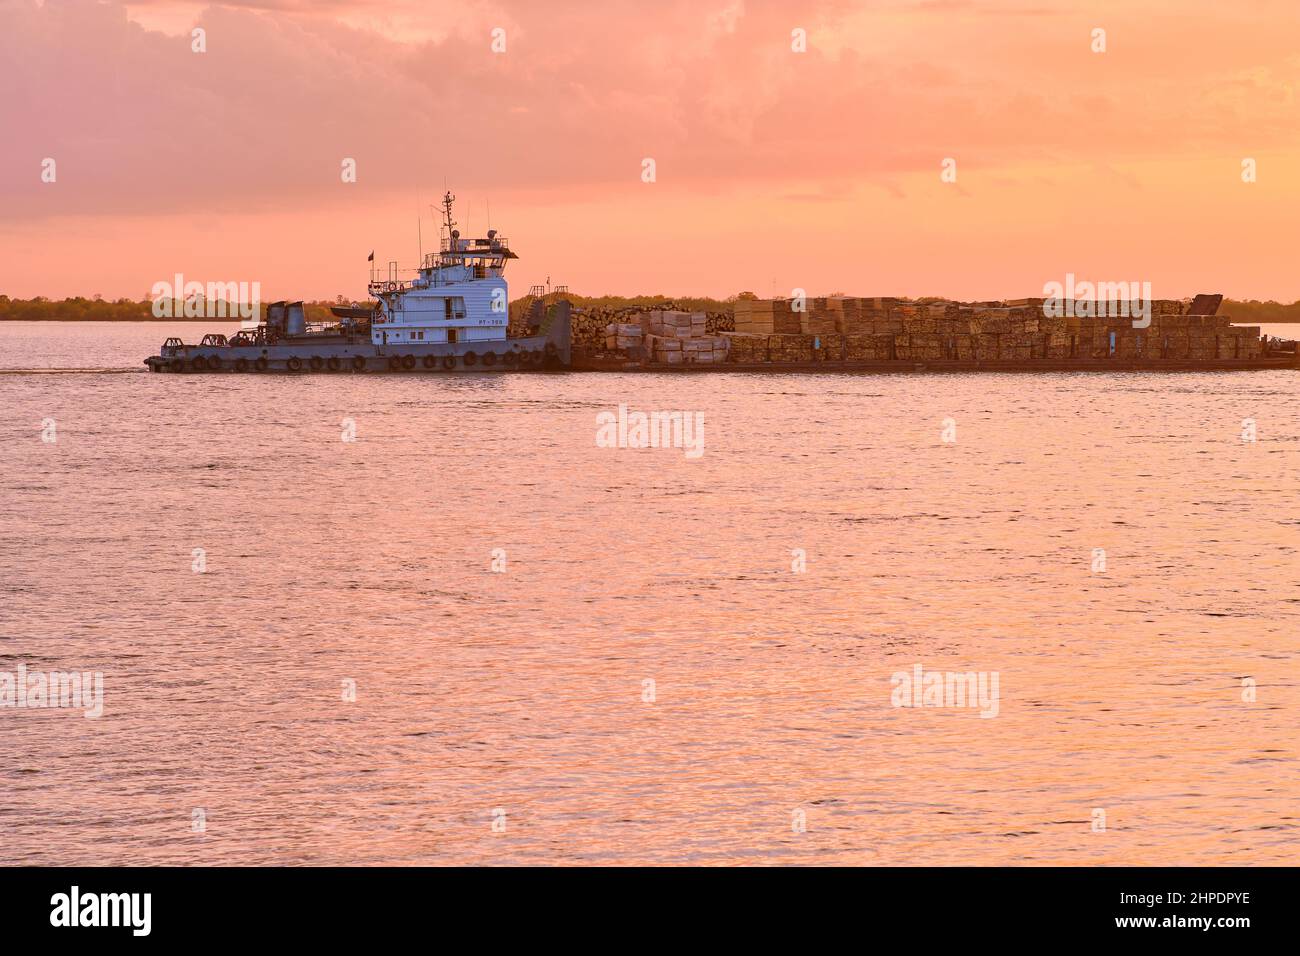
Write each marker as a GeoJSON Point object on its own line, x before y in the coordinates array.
{"type": "Point", "coordinates": [549, 350]}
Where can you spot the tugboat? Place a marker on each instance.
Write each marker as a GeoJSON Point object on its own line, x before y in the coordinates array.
{"type": "Point", "coordinates": [453, 316]}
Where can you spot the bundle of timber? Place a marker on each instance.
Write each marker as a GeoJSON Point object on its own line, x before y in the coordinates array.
{"type": "Point", "coordinates": [672, 337]}
{"type": "Point", "coordinates": [719, 322]}
{"type": "Point", "coordinates": [872, 347]}
{"type": "Point", "coordinates": [862, 316]}
{"type": "Point", "coordinates": [753, 315]}
{"type": "Point", "coordinates": [1170, 337]}
{"type": "Point", "coordinates": [672, 324]}
{"type": "Point", "coordinates": [623, 335]}
{"type": "Point", "coordinates": [746, 348]}
{"type": "Point", "coordinates": [767, 316]}
{"type": "Point", "coordinates": [853, 319]}
{"type": "Point", "coordinates": [924, 345]}
{"type": "Point", "coordinates": [1019, 330]}
{"type": "Point", "coordinates": [790, 347]}
{"type": "Point", "coordinates": [665, 349]}
{"type": "Point", "coordinates": [821, 315]}
{"type": "Point", "coordinates": [588, 328]}
{"type": "Point", "coordinates": [703, 350]}
{"type": "Point", "coordinates": [828, 347]}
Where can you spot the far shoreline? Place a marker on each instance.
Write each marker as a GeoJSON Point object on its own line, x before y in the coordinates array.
{"type": "Point", "coordinates": [118, 321]}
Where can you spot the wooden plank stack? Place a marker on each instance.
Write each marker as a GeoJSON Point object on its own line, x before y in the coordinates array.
{"type": "Point", "coordinates": [682, 338]}
{"type": "Point", "coordinates": [746, 348]}
{"type": "Point", "coordinates": [702, 350]}
{"type": "Point", "coordinates": [669, 323]}
{"type": "Point", "coordinates": [767, 316]}
{"type": "Point", "coordinates": [624, 335]}
{"type": "Point", "coordinates": [1020, 330]}
{"type": "Point", "coordinates": [821, 316]}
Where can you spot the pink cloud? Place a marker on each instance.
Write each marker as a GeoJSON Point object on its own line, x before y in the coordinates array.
{"type": "Point", "coordinates": [258, 125]}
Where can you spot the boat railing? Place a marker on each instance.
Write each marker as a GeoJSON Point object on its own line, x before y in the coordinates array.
{"type": "Point", "coordinates": [485, 246]}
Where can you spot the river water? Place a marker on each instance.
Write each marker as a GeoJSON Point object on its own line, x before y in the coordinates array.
{"type": "Point", "coordinates": [473, 635]}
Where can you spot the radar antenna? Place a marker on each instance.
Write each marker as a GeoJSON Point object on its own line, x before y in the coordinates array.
{"type": "Point", "coordinates": [450, 223]}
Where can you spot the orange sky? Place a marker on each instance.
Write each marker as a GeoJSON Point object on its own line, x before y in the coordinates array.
{"type": "Point", "coordinates": [775, 169]}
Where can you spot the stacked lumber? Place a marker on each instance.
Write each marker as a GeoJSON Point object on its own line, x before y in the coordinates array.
{"type": "Point", "coordinates": [923, 345]}
{"type": "Point", "coordinates": [670, 323]}
{"type": "Point", "coordinates": [767, 316]}
{"type": "Point", "coordinates": [665, 349]}
{"type": "Point", "coordinates": [861, 316]}
{"type": "Point", "coordinates": [617, 330]}
{"type": "Point", "coordinates": [1020, 330]}
{"type": "Point", "coordinates": [789, 347]}
{"type": "Point", "coordinates": [675, 337]}
{"type": "Point", "coordinates": [821, 316]}
{"type": "Point", "coordinates": [828, 347]}
{"type": "Point", "coordinates": [746, 348]}
{"type": "Point", "coordinates": [754, 316]}
{"type": "Point", "coordinates": [622, 336]}
{"type": "Point", "coordinates": [589, 324]}
{"type": "Point", "coordinates": [703, 350]}
{"type": "Point", "coordinates": [865, 346]}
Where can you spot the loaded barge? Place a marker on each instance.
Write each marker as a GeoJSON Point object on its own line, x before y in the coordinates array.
{"type": "Point", "coordinates": [454, 316]}
{"type": "Point", "coordinates": [842, 333]}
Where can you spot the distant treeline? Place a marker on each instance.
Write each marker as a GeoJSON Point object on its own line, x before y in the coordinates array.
{"type": "Point", "coordinates": [686, 303]}
{"type": "Point", "coordinates": [74, 310]}
{"type": "Point", "coordinates": [97, 309]}
{"type": "Point", "coordinates": [1247, 312]}
{"type": "Point", "coordinates": [1254, 312]}
{"type": "Point", "coordinates": [79, 309]}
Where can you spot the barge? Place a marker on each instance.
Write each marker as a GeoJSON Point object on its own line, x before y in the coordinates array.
{"type": "Point", "coordinates": [590, 361]}
{"type": "Point", "coordinates": [454, 316]}
{"type": "Point", "coordinates": [848, 334]}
